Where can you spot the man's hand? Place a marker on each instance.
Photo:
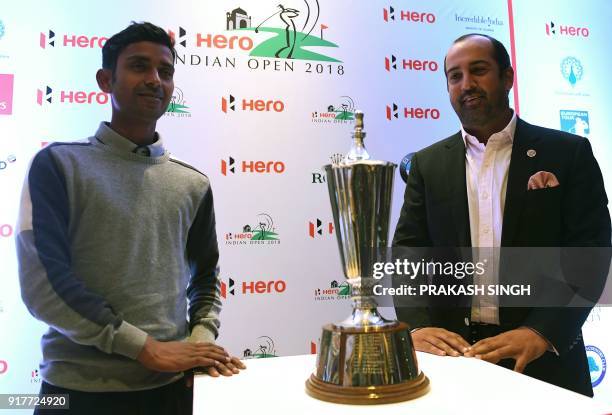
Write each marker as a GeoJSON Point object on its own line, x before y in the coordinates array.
{"type": "Point", "coordinates": [180, 356]}
{"type": "Point", "coordinates": [226, 369]}
{"type": "Point", "coordinates": [523, 345]}
{"type": "Point", "coordinates": [439, 341]}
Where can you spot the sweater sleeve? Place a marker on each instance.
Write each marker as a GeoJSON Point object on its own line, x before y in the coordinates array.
{"type": "Point", "coordinates": [50, 289]}
{"type": "Point", "coordinates": [203, 290]}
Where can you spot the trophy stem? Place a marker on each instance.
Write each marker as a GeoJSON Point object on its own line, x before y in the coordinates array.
{"type": "Point", "coordinates": [365, 312]}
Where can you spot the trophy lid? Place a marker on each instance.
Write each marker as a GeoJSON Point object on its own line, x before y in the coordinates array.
{"type": "Point", "coordinates": [357, 153]}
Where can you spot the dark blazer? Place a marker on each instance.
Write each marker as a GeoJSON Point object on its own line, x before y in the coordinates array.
{"type": "Point", "coordinates": [435, 214]}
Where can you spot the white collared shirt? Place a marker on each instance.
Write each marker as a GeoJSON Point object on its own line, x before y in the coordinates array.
{"type": "Point", "coordinates": [486, 176]}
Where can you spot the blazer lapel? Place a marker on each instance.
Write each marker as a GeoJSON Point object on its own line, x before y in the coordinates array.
{"type": "Point", "coordinates": [521, 167]}
{"type": "Point", "coordinates": [455, 186]}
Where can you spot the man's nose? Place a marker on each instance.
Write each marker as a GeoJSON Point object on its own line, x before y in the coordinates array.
{"type": "Point", "coordinates": [153, 78]}
{"type": "Point", "coordinates": [468, 82]}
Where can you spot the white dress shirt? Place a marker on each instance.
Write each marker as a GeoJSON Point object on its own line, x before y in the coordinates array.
{"type": "Point", "coordinates": [486, 176]}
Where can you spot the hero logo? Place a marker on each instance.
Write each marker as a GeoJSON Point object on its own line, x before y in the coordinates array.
{"type": "Point", "coordinates": [410, 64]}
{"type": "Point", "coordinates": [213, 41]}
{"type": "Point", "coordinates": [227, 288]}
{"type": "Point", "coordinates": [181, 39]}
{"type": "Point", "coordinates": [71, 97]}
{"type": "Point", "coordinates": [229, 166]}
{"type": "Point", "coordinates": [6, 231]}
{"type": "Point", "coordinates": [253, 287]}
{"type": "Point", "coordinates": [47, 39]}
{"type": "Point", "coordinates": [563, 30]}
{"type": "Point", "coordinates": [71, 41]}
{"type": "Point", "coordinates": [316, 228]}
{"type": "Point", "coordinates": [408, 16]}
{"type": "Point", "coordinates": [224, 42]}
{"type": "Point", "coordinates": [412, 112]}
{"type": "Point", "coordinates": [229, 104]}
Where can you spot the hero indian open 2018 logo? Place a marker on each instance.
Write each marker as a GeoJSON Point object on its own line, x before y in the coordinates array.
{"type": "Point", "coordinates": [178, 105]}
{"type": "Point", "coordinates": [264, 348]}
{"type": "Point", "coordinates": [263, 232]}
{"type": "Point", "coordinates": [276, 38]}
{"type": "Point", "coordinates": [342, 112]}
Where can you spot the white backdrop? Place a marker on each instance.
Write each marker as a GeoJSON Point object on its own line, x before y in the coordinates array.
{"type": "Point", "coordinates": [365, 55]}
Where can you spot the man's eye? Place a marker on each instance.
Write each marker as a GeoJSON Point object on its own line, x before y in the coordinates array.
{"type": "Point", "coordinates": [138, 66]}
{"type": "Point", "coordinates": [166, 73]}
{"type": "Point", "coordinates": [479, 70]}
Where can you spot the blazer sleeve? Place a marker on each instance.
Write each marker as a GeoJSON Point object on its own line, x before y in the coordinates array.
{"type": "Point", "coordinates": [411, 228]}
{"type": "Point", "coordinates": [412, 231]}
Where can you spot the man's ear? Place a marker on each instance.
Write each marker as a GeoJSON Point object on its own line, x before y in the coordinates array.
{"type": "Point", "coordinates": [104, 78]}
{"type": "Point", "coordinates": [508, 78]}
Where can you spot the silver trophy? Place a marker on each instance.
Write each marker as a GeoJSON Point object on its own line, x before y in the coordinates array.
{"type": "Point", "coordinates": [365, 359]}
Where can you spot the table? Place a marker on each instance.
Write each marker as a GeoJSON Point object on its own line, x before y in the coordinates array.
{"type": "Point", "coordinates": [458, 386]}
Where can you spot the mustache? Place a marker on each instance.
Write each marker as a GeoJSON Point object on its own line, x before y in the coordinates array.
{"type": "Point", "coordinates": [149, 91]}
{"type": "Point", "coordinates": [472, 92]}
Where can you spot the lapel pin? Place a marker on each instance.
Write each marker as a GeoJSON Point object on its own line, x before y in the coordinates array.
{"type": "Point", "coordinates": [531, 153]}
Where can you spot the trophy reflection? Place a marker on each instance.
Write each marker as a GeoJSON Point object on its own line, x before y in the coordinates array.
{"type": "Point", "coordinates": [365, 359]}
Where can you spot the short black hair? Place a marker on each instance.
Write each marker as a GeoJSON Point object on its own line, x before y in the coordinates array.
{"type": "Point", "coordinates": [136, 32]}
{"type": "Point", "coordinates": [500, 54]}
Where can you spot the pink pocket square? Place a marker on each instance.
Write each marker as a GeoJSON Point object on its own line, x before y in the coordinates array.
{"type": "Point", "coordinates": [541, 180]}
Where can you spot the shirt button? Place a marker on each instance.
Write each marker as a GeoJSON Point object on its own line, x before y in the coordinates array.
{"type": "Point", "coordinates": [486, 230]}
{"type": "Point", "coordinates": [484, 195]}
{"type": "Point", "coordinates": [142, 150]}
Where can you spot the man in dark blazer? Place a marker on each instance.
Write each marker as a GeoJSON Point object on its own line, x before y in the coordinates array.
{"type": "Point", "coordinates": [501, 182]}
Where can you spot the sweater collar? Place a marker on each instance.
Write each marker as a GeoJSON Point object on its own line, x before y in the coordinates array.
{"type": "Point", "coordinates": [107, 136]}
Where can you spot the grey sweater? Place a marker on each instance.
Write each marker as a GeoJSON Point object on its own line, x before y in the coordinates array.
{"type": "Point", "coordinates": [111, 245]}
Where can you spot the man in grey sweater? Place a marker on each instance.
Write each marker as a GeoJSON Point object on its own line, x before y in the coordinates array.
{"type": "Point", "coordinates": [114, 237]}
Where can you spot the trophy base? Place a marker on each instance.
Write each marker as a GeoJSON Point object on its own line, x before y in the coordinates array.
{"type": "Point", "coordinates": [367, 395]}
{"type": "Point", "coordinates": [366, 365]}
